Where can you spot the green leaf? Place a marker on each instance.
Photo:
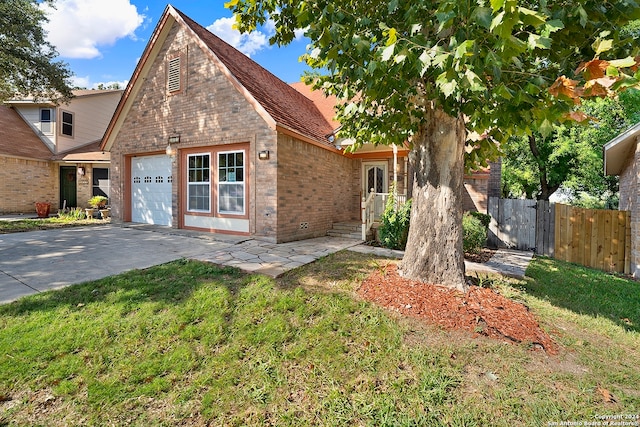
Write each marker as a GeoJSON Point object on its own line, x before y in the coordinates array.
{"type": "Point", "coordinates": [584, 18]}
{"type": "Point", "coordinates": [536, 41]}
{"type": "Point", "coordinates": [602, 45]}
{"type": "Point", "coordinates": [392, 36]}
{"type": "Point", "coordinates": [483, 16]}
{"type": "Point", "coordinates": [531, 17]}
{"type": "Point", "coordinates": [475, 83]}
{"type": "Point", "coordinates": [497, 4]}
{"type": "Point", "coordinates": [446, 86]}
{"type": "Point", "coordinates": [546, 128]}
{"type": "Point", "coordinates": [393, 5]}
{"type": "Point", "coordinates": [504, 92]}
{"type": "Point", "coordinates": [464, 48]}
{"type": "Point", "coordinates": [496, 21]}
{"type": "Point", "coordinates": [387, 52]}
{"type": "Point", "coordinates": [623, 63]}
{"type": "Point", "coordinates": [553, 26]}
{"type": "Point", "coordinates": [416, 28]}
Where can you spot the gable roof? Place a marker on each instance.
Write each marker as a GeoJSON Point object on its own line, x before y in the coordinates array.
{"type": "Point", "coordinates": [87, 153]}
{"type": "Point", "coordinates": [618, 150]}
{"type": "Point", "coordinates": [17, 139]}
{"type": "Point", "coordinates": [325, 104]}
{"type": "Point", "coordinates": [278, 103]}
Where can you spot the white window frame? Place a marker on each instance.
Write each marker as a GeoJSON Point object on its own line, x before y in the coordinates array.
{"type": "Point", "coordinates": [198, 183]}
{"type": "Point", "coordinates": [243, 182]}
{"type": "Point", "coordinates": [50, 121]}
{"type": "Point", "coordinates": [72, 124]}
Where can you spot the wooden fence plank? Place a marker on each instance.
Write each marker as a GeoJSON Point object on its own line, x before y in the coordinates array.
{"type": "Point", "coordinates": [627, 243]}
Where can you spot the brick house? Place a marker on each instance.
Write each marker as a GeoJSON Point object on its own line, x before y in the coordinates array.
{"type": "Point", "coordinates": [206, 139]}
{"type": "Point", "coordinates": [51, 153]}
{"type": "Point", "coordinates": [622, 157]}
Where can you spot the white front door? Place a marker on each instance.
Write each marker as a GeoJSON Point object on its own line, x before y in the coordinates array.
{"type": "Point", "coordinates": [375, 179]}
{"type": "Point", "coordinates": [151, 180]}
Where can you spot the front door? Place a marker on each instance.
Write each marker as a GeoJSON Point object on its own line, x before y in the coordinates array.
{"type": "Point", "coordinates": [375, 180]}
{"type": "Point", "coordinates": [68, 189]}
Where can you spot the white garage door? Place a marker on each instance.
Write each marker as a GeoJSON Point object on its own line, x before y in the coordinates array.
{"type": "Point", "coordinates": [151, 190]}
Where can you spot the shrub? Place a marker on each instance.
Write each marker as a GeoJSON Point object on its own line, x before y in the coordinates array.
{"type": "Point", "coordinates": [72, 214]}
{"type": "Point", "coordinates": [474, 233]}
{"type": "Point", "coordinates": [394, 224]}
{"type": "Point", "coordinates": [485, 219]}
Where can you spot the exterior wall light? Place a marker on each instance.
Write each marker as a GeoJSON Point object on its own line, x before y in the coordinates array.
{"type": "Point", "coordinates": [170, 150]}
{"type": "Point", "coordinates": [81, 171]}
{"type": "Point", "coordinates": [263, 155]}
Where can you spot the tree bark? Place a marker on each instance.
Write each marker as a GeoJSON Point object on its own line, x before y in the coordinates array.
{"type": "Point", "coordinates": [434, 251]}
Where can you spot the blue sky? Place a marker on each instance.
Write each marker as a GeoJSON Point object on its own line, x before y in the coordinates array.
{"type": "Point", "coordinates": [102, 40]}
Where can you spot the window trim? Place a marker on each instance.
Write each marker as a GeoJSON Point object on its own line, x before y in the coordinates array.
{"type": "Point", "coordinates": [51, 122]}
{"type": "Point", "coordinates": [244, 183]}
{"type": "Point", "coordinates": [188, 192]}
{"type": "Point", "coordinates": [72, 124]}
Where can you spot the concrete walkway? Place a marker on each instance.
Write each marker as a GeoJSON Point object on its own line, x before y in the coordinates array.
{"type": "Point", "coordinates": [37, 261]}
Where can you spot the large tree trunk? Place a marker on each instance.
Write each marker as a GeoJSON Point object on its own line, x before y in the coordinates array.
{"type": "Point", "coordinates": [434, 251]}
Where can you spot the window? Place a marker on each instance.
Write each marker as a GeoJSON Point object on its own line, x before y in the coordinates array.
{"type": "Point", "coordinates": [231, 182]}
{"type": "Point", "coordinates": [198, 183]}
{"type": "Point", "coordinates": [173, 75]}
{"type": "Point", "coordinates": [101, 182]}
{"type": "Point", "coordinates": [67, 123]}
{"type": "Point", "coordinates": [45, 120]}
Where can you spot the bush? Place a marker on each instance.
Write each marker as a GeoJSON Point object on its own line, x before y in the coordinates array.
{"type": "Point", "coordinates": [485, 219]}
{"type": "Point", "coordinates": [394, 225]}
{"type": "Point", "coordinates": [474, 233]}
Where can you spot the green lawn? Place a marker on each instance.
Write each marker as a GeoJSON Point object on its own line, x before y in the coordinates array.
{"type": "Point", "coordinates": [190, 343]}
{"type": "Point", "coordinates": [31, 224]}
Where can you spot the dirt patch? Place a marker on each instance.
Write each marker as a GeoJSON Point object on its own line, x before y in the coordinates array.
{"type": "Point", "coordinates": [483, 256]}
{"type": "Point", "coordinates": [480, 311]}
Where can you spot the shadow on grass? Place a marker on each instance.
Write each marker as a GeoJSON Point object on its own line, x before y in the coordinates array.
{"type": "Point", "coordinates": [345, 272]}
{"type": "Point", "coordinates": [171, 283]}
{"type": "Point", "coordinates": [586, 291]}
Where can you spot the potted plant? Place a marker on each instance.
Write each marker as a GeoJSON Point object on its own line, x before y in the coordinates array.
{"type": "Point", "coordinates": [96, 202]}
{"type": "Point", "coordinates": [42, 209]}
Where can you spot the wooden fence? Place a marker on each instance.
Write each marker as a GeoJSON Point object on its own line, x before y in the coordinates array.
{"type": "Point", "coordinates": [595, 238]}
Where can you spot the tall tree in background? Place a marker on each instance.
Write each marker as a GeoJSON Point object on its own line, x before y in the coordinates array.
{"type": "Point", "coordinates": [27, 61]}
{"type": "Point", "coordinates": [427, 71]}
{"type": "Point", "coordinates": [571, 157]}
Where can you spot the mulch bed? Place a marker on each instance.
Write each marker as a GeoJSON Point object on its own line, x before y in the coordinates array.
{"type": "Point", "coordinates": [480, 311]}
{"type": "Point", "coordinates": [481, 257]}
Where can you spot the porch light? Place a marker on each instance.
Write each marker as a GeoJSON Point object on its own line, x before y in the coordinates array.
{"type": "Point", "coordinates": [263, 155]}
{"type": "Point", "coordinates": [170, 150]}
{"type": "Point", "coordinates": [81, 171]}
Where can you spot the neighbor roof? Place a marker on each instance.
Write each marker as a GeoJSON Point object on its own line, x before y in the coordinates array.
{"type": "Point", "coordinates": [17, 139]}
{"type": "Point", "coordinates": [617, 151]}
{"type": "Point", "coordinates": [283, 105]}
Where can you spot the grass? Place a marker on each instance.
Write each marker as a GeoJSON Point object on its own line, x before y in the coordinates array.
{"type": "Point", "coordinates": [16, 226]}
{"type": "Point", "coordinates": [192, 343]}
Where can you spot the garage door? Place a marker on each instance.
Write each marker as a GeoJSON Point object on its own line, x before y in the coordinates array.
{"type": "Point", "coordinates": [151, 190]}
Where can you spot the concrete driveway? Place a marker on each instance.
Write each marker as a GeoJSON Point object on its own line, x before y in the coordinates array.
{"type": "Point", "coordinates": [38, 261]}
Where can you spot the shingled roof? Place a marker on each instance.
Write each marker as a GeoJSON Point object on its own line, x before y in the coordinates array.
{"type": "Point", "coordinates": [288, 107]}
{"type": "Point", "coordinates": [17, 139]}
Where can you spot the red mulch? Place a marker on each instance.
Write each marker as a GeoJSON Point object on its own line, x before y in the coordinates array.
{"type": "Point", "coordinates": [480, 311]}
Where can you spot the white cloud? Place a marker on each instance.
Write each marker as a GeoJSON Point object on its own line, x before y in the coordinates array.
{"type": "Point", "coordinates": [85, 83]}
{"type": "Point", "coordinates": [77, 28]}
{"type": "Point", "coordinates": [245, 43]}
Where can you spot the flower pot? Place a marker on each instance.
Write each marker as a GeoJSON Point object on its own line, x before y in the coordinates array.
{"type": "Point", "coordinates": [89, 212]}
{"type": "Point", "coordinates": [105, 213]}
{"type": "Point", "coordinates": [43, 209]}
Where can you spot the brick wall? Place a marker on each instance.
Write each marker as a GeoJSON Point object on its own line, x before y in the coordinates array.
{"type": "Point", "coordinates": [30, 181]}
{"type": "Point", "coordinates": [629, 201]}
{"type": "Point", "coordinates": [315, 187]}
{"type": "Point", "coordinates": [209, 111]}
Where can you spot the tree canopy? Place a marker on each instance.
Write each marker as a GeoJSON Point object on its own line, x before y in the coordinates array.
{"type": "Point", "coordinates": [571, 157]}
{"type": "Point", "coordinates": [28, 65]}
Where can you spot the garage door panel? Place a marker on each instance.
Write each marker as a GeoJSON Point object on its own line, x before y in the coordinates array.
{"type": "Point", "coordinates": [151, 201]}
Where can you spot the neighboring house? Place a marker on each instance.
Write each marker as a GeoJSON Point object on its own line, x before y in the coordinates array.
{"type": "Point", "coordinates": [622, 157]}
{"type": "Point", "coordinates": [206, 139]}
{"type": "Point", "coordinates": [51, 153]}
